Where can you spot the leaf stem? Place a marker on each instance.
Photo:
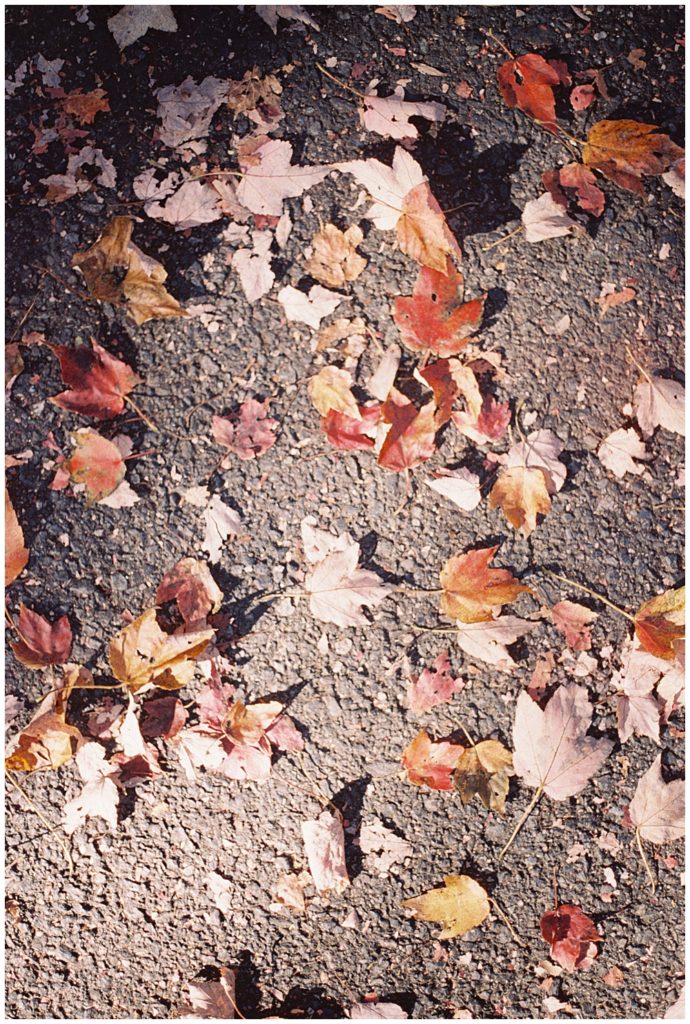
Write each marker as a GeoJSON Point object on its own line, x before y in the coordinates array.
{"type": "Point", "coordinates": [505, 238]}
{"type": "Point", "coordinates": [41, 816]}
{"type": "Point", "coordinates": [149, 422]}
{"type": "Point", "coordinates": [592, 593]}
{"type": "Point", "coordinates": [535, 800]}
{"type": "Point", "coordinates": [650, 876]}
{"type": "Point", "coordinates": [503, 46]}
{"type": "Point", "coordinates": [507, 923]}
{"type": "Point", "coordinates": [338, 82]}
{"type": "Point", "coordinates": [635, 362]}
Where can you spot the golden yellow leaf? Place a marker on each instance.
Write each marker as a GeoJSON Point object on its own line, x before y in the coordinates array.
{"type": "Point", "coordinates": [335, 260]}
{"type": "Point", "coordinates": [472, 590]}
{"type": "Point", "coordinates": [142, 653]}
{"type": "Point", "coordinates": [522, 493]}
{"type": "Point", "coordinates": [625, 150]}
{"type": "Point", "coordinates": [331, 389]}
{"type": "Point", "coordinates": [460, 905]}
{"type": "Point", "coordinates": [484, 770]}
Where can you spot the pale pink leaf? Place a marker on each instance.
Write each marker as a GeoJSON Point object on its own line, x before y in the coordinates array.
{"type": "Point", "coordinates": [660, 402]}
{"type": "Point", "coordinates": [269, 177]}
{"type": "Point", "coordinates": [435, 685]}
{"type": "Point", "coordinates": [390, 116]}
{"type": "Point", "coordinates": [543, 218]}
{"type": "Point", "coordinates": [377, 1011]}
{"type": "Point", "coordinates": [381, 382]}
{"type": "Point", "coordinates": [221, 522]}
{"type": "Point", "coordinates": [339, 589]}
{"type": "Point", "coordinates": [618, 451]}
{"type": "Point", "coordinates": [324, 844]}
{"type": "Point", "coordinates": [254, 266]}
{"type": "Point", "coordinates": [383, 848]}
{"type": "Point", "coordinates": [657, 810]}
{"type": "Point", "coordinates": [290, 12]}
{"type": "Point", "coordinates": [134, 20]}
{"type": "Point", "coordinates": [638, 715]}
{"type": "Point", "coordinates": [186, 110]}
{"type": "Point", "coordinates": [540, 450]}
{"type": "Point", "coordinates": [488, 641]}
{"type": "Point", "coordinates": [572, 620]}
{"type": "Point", "coordinates": [99, 796]}
{"type": "Point", "coordinates": [249, 433]}
{"type": "Point", "coordinates": [458, 485]}
{"type": "Point", "coordinates": [221, 890]}
{"type": "Point", "coordinates": [388, 186]}
{"type": "Point", "coordinates": [308, 309]}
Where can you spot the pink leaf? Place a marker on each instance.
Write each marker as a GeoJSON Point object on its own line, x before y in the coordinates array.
{"type": "Point", "coordinates": [434, 686]}
{"type": "Point", "coordinates": [324, 843]}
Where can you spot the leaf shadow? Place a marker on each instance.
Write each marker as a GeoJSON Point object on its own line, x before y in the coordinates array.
{"type": "Point", "coordinates": [350, 802]}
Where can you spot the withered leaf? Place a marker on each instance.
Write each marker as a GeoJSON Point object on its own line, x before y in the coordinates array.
{"type": "Point", "coordinates": [472, 591]}
{"type": "Point", "coordinates": [483, 770]}
{"type": "Point", "coordinates": [42, 643]}
{"type": "Point", "coordinates": [572, 936]}
{"type": "Point", "coordinates": [433, 318]}
{"type": "Point", "coordinates": [660, 623]}
{"type": "Point", "coordinates": [431, 763]}
{"type": "Point", "coordinates": [527, 83]}
{"type": "Point", "coordinates": [335, 260]}
{"type": "Point", "coordinates": [98, 382]}
{"type": "Point", "coordinates": [142, 653]}
{"type": "Point", "coordinates": [16, 553]}
{"type": "Point", "coordinates": [626, 150]}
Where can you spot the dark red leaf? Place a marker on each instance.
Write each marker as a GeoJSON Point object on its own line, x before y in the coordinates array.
{"type": "Point", "coordinates": [42, 643]}
{"type": "Point", "coordinates": [572, 936]}
{"type": "Point", "coordinates": [527, 82]}
{"type": "Point", "coordinates": [98, 381]}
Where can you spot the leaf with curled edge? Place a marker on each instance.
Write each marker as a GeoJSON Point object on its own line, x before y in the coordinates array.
{"type": "Point", "coordinates": [660, 623]}
{"type": "Point", "coordinates": [41, 643]}
{"type": "Point", "coordinates": [142, 653]}
{"type": "Point", "coordinates": [572, 935]}
{"type": "Point", "coordinates": [324, 845]}
{"type": "Point", "coordinates": [98, 382]}
{"type": "Point", "coordinates": [626, 150]}
{"type": "Point", "coordinates": [412, 435]}
{"type": "Point", "coordinates": [338, 589]}
{"type": "Point", "coordinates": [657, 810]}
{"type": "Point", "coordinates": [460, 905]}
{"type": "Point", "coordinates": [527, 83]}
{"type": "Point", "coordinates": [474, 592]}
{"type": "Point", "coordinates": [431, 762]}
{"type": "Point", "coordinates": [433, 686]}
{"type": "Point", "coordinates": [350, 434]}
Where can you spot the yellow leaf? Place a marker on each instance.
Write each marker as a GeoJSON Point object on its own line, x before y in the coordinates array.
{"type": "Point", "coordinates": [625, 150]}
{"type": "Point", "coordinates": [331, 389]}
{"type": "Point", "coordinates": [460, 905]}
{"type": "Point", "coordinates": [483, 770]}
{"type": "Point", "coordinates": [522, 494]}
{"type": "Point", "coordinates": [142, 653]}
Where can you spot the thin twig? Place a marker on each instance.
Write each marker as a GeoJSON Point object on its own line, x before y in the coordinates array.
{"type": "Point", "coordinates": [503, 46]}
{"type": "Point", "coordinates": [147, 420]}
{"type": "Point", "coordinates": [592, 593]}
{"type": "Point", "coordinates": [504, 239]}
{"type": "Point", "coordinates": [645, 861]}
{"type": "Point", "coordinates": [338, 82]}
{"type": "Point", "coordinates": [41, 816]}
{"type": "Point", "coordinates": [506, 922]}
{"type": "Point", "coordinates": [26, 316]}
{"type": "Point", "coordinates": [535, 800]}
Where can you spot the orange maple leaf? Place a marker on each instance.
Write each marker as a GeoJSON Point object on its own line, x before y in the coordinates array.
{"type": "Point", "coordinates": [625, 150]}
{"type": "Point", "coordinates": [472, 590]}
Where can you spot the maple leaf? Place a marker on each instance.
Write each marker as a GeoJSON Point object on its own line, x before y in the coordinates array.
{"type": "Point", "coordinates": [47, 741]}
{"type": "Point", "coordinates": [527, 83]}
{"type": "Point", "coordinates": [390, 116]}
{"type": "Point", "coordinates": [531, 473]}
{"type": "Point", "coordinates": [433, 319]}
{"type": "Point", "coordinates": [489, 426]}
{"type": "Point", "coordinates": [572, 620]}
{"type": "Point", "coordinates": [618, 452]}
{"type": "Point", "coordinates": [552, 750]}
{"type": "Point", "coordinates": [85, 169]}
{"type": "Point", "coordinates": [254, 266]}
{"type": "Point", "coordinates": [85, 105]}
{"type": "Point", "coordinates": [459, 906]}
{"type": "Point", "coordinates": [335, 260]}
{"type": "Point", "coordinates": [659, 402]}
{"type": "Point", "coordinates": [269, 177]}
{"type": "Point", "coordinates": [572, 936]}
{"type": "Point", "coordinates": [98, 382]}
{"type": "Point", "coordinates": [190, 584]}
{"type": "Point", "coordinates": [186, 110]}
{"type": "Point", "coordinates": [41, 643]}
{"type": "Point", "coordinates": [350, 434]}
{"type": "Point", "coordinates": [488, 641]}
{"type": "Point", "coordinates": [192, 204]}
{"type": "Point", "coordinates": [399, 13]}
{"type": "Point", "coordinates": [639, 715]}
{"type": "Point", "coordinates": [660, 623]}
{"type": "Point", "coordinates": [308, 309]}
{"type": "Point", "coordinates": [142, 653]}
{"type": "Point", "coordinates": [431, 762]}
{"type": "Point", "coordinates": [164, 717]}
{"type": "Point", "coordinates": [331, 389]}
{"type": "Point", "coordinates": [289, 12]}
{"type": "Point", "coordinates": [221, 522]}
{"type": "Point", "coordinates": [625, 150]}
{"type": "Point", "coordinates": [483, 770]}
{"type": "Point", "coordinates": [543, 218]}
{"type": "Point", "coordinates": [249, 432]}
{"type": "Point", "coordinates": [132, 22]}
{"type": "Point", "coordinates": [99, 796]}
{"type": "Point", "coordinates": [433, 686]}
{"type": "Point", "coordinates": [337, 587]}
{"type": "Point", "coordinates": [253, 90]}
{"type": "Point", "coordinates": [16, 553]}
{"type": "Point", "coordinates": [412, 435]}
{"type": "Point", "coordinates": [141, 290]}
{"type": "Point", "coordinates": [211, 1000]}
{"type": "Point", "coordinates": [579, 179]}
{"type": "Point", "coordinates": [404, 202]}
{"type": "Point", "coordinates": [458, 485]}
{"type": "Point", "coordinates": [324, 845]}
{"type": "Point", "coordinates": [657, 810]}
{"type": "Point", "coordinates": [96, 464]}
{"type": "Point", "coordinates": [472, 592]}
{"type": "Point", "coordinates": [383, 848]}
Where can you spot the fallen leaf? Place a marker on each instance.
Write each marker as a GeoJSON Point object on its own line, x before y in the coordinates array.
{"type": "Point", "coordinates": [142, 653]}
{"type": "Point", "coordinates": [657, 810]}
{"type": "Point", "coordinates": [98, 382]}
{"type": "Point", "coordinates": [331, 389]}
{"type": "Point", "coordinates": [308, 309]}
{"type": "Point", "coordinates": [614, 978]}
{"type": "Point", "coordinates": [660, 623]}
{"type": "Point", "coordinates": [349, 434]}
{"type": "Point", "coordinates": [254, 266]}
{"type": "Point", "coordinates": [433, 318]}
{"type": "Point", "coordinates": [249, 432]}
{"type": "Point", "coordinates": [543, 218]}
{"type": "Point", "coordinates": [580, 179]}
{"type": "Point", "coordinates": [572, 935]}
{"type": "Point", "coordinates": [523, 494]}
{"type": "Point", "coordinates": [412, 435]}
{"type": "Point", "coordinates": [552, 750]}
{"type": "Point", "coordinates": [252, 91]}
{"type": "Point", "coordinates": [96, 464]}
{"type": "Point", "coordinates": [380, 383]}
{"type": "Point", "coordinates": [399, 13]}
{"type": "Point", "coordinates": [99, 796]}
{"type": "Point", "coordinates": [390, 116]}
{"type": "Point", "coordinates": [675, 178]}
{"type": "Point", "coordinates": [221, 890]}
{"type": "Point", "coordinates": [618, 451]}
{"type": "Point", "coordinates": [676, 1010]}
{"type": "Point", "coordinates": [458, 485]}
{"type": "Point", "coordinates": [459, 906]}
{"type": "Point", "coordinates": [338, 589]}
{"type": "Point", "coordinates": [541, 677]}
{"type": "Point", "coordinates": [489, 426]}
{"type": "Point", "coordinates": [426, 69]}
{"type": "Point", "coordinates": [431, 762]}
{"type": "Point", "coordinates": [141, 289]}
{"type": "Point", "coordinates": [484, 770]}
{"type": "Point", "coordinates": [16, 553]}
{"type": "Point", "coordinates": [572, 620]}
{"type": "Point", "coordinates": [382, 848]}
{"type": "Point", "coordinates": [638, 715]}
{"type": "Point", "coordinates": [269, 177]}
{"type": "Point", "coordinates": [163, 717]}
{"type": "Point", "coordinates": [221, 522]}
{"type": "Point", "coordinates": [132, 22]}
{"type": "Point", "coordinates": [377, 1011]}
{"type": "Point", "coordinates": [433, 686]}
{"type": "Point", "coordinates": [47, 741]}
{"type": "Point", "coordinates": [335, 259]}
{"type": "Point", "coordinates": [289, 12]}
{"type": "Point", "coordinates": [287, 893]}
{"type": "Point", "coordinates": [626, 150]}
{"type": "Point", "coordinates": [186, 110]}
{"type": "Point", "coordinates": [610, 299]}
{"type": "Point", "coordinates": [85, 105]}
{"type": "Point", "coordinates": [659, 402]}
{"type": "Point", "coordinates": [473, 592]}
{"type": "Point", "coordinates": [41, 643]}
{"type": "Point", "coordinates": [85, 169]}
{"type": "Point", "coordinates": [190, 584]}
{"type": "Point", "coordinates": [324, 845]}
{"type": "Point", "coordinates": [527, 83]}
{"type": "Point", "coordinates": [211, 1000]}
{"type": "Point", "coordinates": [582, 96]}
{"type": "Point", "coordinates": [488, 641]}
{"type": "Point", "coordinates": [191, 204]}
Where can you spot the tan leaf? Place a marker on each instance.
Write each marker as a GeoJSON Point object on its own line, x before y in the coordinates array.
{"type": "Point", "coordinates": [657, 811]}
{"type": "Point", "coordinates": [483, 770]}
{"type": "Point", "coordinates": [142, 653]}
{"type": "Point", "coordinates": [625, 150]}
{"type": "Point", "coordinates": [618, 452]}
{"type": "Point", "coordinates": [335, 260]}
{"type": "Point", "coordinates": [16, 554]}
{"type": "Point", "coordinates": [472, 591]}
{"type": "Point", "coordinates": [572, 620]}
{"type": "Point", "coordinates": [523, 495]}
{"type": "Point", "coordinates": [422, 230]}
{"type": "Point", "coordinates": [660, 402]}
{"type": "Point", "coordinates": [331, 389]}
{"type": "Point", "coordinates": [459, 906]}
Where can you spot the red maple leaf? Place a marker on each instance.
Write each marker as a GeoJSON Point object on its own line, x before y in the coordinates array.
{"type": "Point", "coordinates": [42, 643]}
{"type": "Point", "coordinates": [411, 438]}
{"type": "Point", "coordinates": [527, 83]}
{"type": "Point", "coordinates": [572, 936]}
{"type": "Point", "coordinates": [431, 763]}
{"type": "Point", "coordinates": [432, 318]}
{"type": "Point", "coordinates": [98, 382]}
{"type": "Point", "coordinates": [349, 434]}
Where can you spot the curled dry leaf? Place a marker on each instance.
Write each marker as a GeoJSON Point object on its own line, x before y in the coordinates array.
{"type": "Point", "coordinates": [484, 770]}
{"type": "Point", "coordinates": [412, 435]}
{"type": "Point", "coordinates": [270, 13]}
{"type": "Point", "coordinates": [85, 105]}
{"type": "Point", "coordinates": [331, 389]}
{"type": "Point", "coordinates": [48, 741]}
{"type": "Point", "coordinates": [98, 382]}
{"type": "Point", "coordinates": [459, 906]}
{"type": "Point", "coordinates": [41, 643]}
{"type": "Point", "coordinates": [390, 116]}
{"type": "Point", "coordinates": [254, 266]}
{"type": "Point", "coordinates": [552, 750]}
{"type": "Point", "coordinates": [531, 472]}
{"type": "Point", "coordinates": [288, 893]}
{"type": "Point", "coordinates": [324, 844]}
{"type": "Point", "coordinates": [433, 686]}
{"type": "Point", "coordinates": [186, 110]}
{"type": "Point", "coordinates": [142, 653]}
{"type": "Point", "coordinates": [473, 592]}
{"type": "Point", "coordinates": [16, 553]}
{"type": "Point", "coordinates": [572, 935]}
{"type": "Point", "coordinates": [527, 83]}
{"type": "Point", "coordinates": [431, 763]}
{"type": "Point", "coordinates": [220, 522]}
{"type": "Point", "coordinates": [660, 623]}
{"type": "Point", "coordinates": [489, 641]}
{"type": "Point", "coordinates": [433, 319]}
{"type": "Point", "coordinates": [350, 434]}
{"type": "Point", "coordinates": [578, 179]}
{"type": "Point", "coordinates": [626, 150]}
{"type": "Point", "coordinates": [190, 584]}
{"type": "Point", "coordinates": [253, 90]}
{"type": "Point", "coordinates": [659, 402]}
{"type": "Point", "coordinates": [249, 432]}
{"type": "Point", "coordinates": [572, 619]}
{"type": "Point", "coordinates": [85, 169]}
{"type": "Point", "coordinates": [211, 1000]}
{"type": "Point", "coordinates": [657, 810]}
{"type": "Point", "coordinates": [582, 96]}
{"type": "Point", "coordinates": [618, 452]}
{"type": "Point", "coordinates": [141, 289]}
{"type": "Point", "coordinates": [335, 259]}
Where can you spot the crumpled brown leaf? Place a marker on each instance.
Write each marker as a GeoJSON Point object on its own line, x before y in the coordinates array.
{"type": "Point", "coordinates": [142, 653]}
{"type": "Point", "coordinates": [334, 260]}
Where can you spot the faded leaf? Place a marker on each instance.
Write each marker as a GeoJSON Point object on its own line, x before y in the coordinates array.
{"type": "Point", "coordinates": [610, 298]}
{"type": "Point", "coordinates": [96, 464]}
{"type": "Point", "coordinates": [431, 762]}
{"type": "Point", "coordinates": [331, 389]}
{"type": "Point", "coordinates": [252, 91]}
{"type": "Point", "coordinates": [100, 795]}
{"type": "Point", "coordinates": [134, 21]}
{"type": "Point", "coordinates": [249, 432]}
{"type": "Point", "coordinates": [488, 641]}
{"type": "Point", "coordinates": [433, 319]}
{"type": "Point", "coordinates": [85, 169]}
{"type": "Point", "coordinates": [618, 451]}
{"type": "Point", "coordinates": [390, 116]}
{"type": "Point", "coordinates": [85, 105]}
{"type": "Point", "coordinates": [543, 218]}
{"type": "Point", "coordinates": [483, 770]}
{"type": "Point", "coordinates": [433, 686]}
{"type": "Point", "coordinates": [162, 717]}
{"type": "Point", "coordinates": [289, 12]}
{"type": "Point", "coordinates": [349, 434]}
{"type": "Point", "coordinates": [335, 259]}
{"type": "Point", "coordinates": [287, 893]}
{"type": "Point", "coordinates": [659, 402]}
{"type": "Point", "coordinates": [626, 150]}
{"type": "Point", "coordinates": [657, 810]}
{"type": "Point", "coordinates": [580, 179]}
{"type": "Point", "coordinates": [47, 741]}
{"type": "Point", "coordinates": [473, 592]}
{"type": "Point", "coordinates": [338, 589]}
{"type": "Point", "coordinates": [142, 653]}
{"type": "Point", "coordinates": [190, 584]}
{"type": "Point", "coordinates": [308, 309]}
{"type": "Point", "coordinates": [324, 845]}
{"type": "Point", "coordinates": [675, 178]}
{"type": "Point", "coordinates": [16, 553]}
{"type": "Point", "coordinates": [458, 485]}
{"type": "Point", "coordinates": [192, 204]}
{"type": "Point", "coordinates": [638, 715]}
{"type": "Point", "coordinates": [186, 110]}
{"type": "Point", "coordinates": [527, 83]}
{"type": "Point", "coordinates": [254, 266]}
{"type": "Point", "coordinates": [375, 1010]}
{"type": "Point", "coordinates": [221, 522]}
{"type": "Point", "coordinates": [660, 623]}
{"type": "Point", "coordinates": [523, 494]}
{"type": "Point", "coordinates": [572, 936]}
{"type": "Point", "coordinates": [383, 848]}
{"type": "Point", "coordinates": [98, 382]}
{"type": "Point", "coordinates": [211, 1000]}
{"type": "Point", "coordinates": [221, 890]}
{"type": "Point", "coordinates": [572, 620]}
{"type": "Point", "coordinates": [459, 906]}
{"type": "Point", "coordinates": [552, 749]}
{"type": "Point", "coordinates": [397, 12]}
{"type": "Point", "coordinates": [380, 383]}
{"type": "Point", "coordinates": [41, 643]}
{"type": "Point", "coordinates": [269, 177]}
